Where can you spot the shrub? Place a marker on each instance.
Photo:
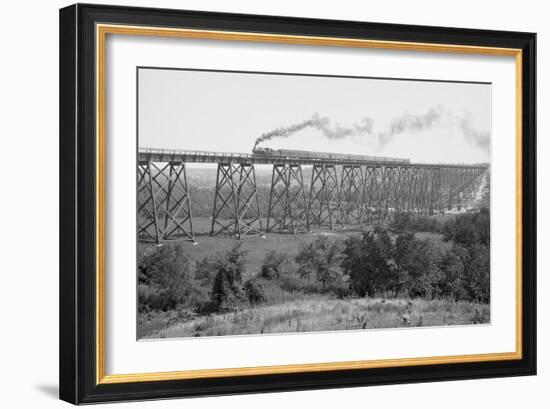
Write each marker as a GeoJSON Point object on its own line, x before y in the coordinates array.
{"type": "Point", "coordinates": [320, 259]}
{"type": "Point", "coordinates": [293, 284]}
{"type": "Point", "coordinates": [226, 287]}
{"type": "Point", "coordinates": [153, 299]}
{"type": "Point", "coordinates": [167, 273]}
{"type": "Point", "coordinates": [273, 264]}
{"type": "Point", "coordinates": [205, 271]}
{"type": "Point", "coordinates": [254, 292]}
{"type": "Point", "coordinates": [339, 288]}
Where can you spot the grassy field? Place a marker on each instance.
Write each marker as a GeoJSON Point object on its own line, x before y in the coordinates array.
{"type": "Point", "coordinates": [288, 311]}
{"type": "Point", "coordinates": [316, 313]}
{"type": "Point", "coordinates": [256, 246]}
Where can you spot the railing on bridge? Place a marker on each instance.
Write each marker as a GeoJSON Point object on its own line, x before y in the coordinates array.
{"type": "Point", "coordinates": [146, 155]}
{"type": "Point", "coordinates": [340, 192]}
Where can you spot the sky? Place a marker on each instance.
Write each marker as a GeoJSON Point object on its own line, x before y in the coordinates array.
{"type": "Point", "coordinates": [424, 121]}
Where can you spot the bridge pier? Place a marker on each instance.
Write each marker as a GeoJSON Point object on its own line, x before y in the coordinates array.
{"type": "Point", "coordinates": [410, 186]}
{"type": "Point", "coordinates": [435, 203]}
{"type": "Point", "coordinates": [288, 210]}
{"type": "Point", "coordinates": [351, 194]}
{"type": "Point", "coordinates": [370, 192]}
{"type": "Point", "coordinates": [446, 187]}
{"type": "Point", "coordinates": [390, 186]}
{"type": "Point", "coordinates": [236, 210]}
{"type": "Point", "coordinates": [164, 209]}
{"type": "Point", "coordinates": [324, 196]}
{"type": "Point", "coordinates": [379, 182]}
{"type": "Point", "coordinates": [396, 189]}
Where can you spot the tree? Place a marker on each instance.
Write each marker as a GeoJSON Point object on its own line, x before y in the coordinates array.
{"type": "Point", "coordinates": [226, 288]}
{"type": "Point", "coordinates": [168, 272]}
{"type": "Point", "coordinates": [417, 265]}
{"type": "Point", "coordinates": [306, 260]}
{"type": "Point", "coordinates": [469, 229]}
{"type": "Point", "coordinates": [477, 273]}
{"type": "Point", "coordinates": [453, 270]}
{"type": "Point", "coordinates": [322, 259]}
{"type": "Point", "coordinates": [273, 264]}
{"type": "Point", "coordinates": [368, 261]}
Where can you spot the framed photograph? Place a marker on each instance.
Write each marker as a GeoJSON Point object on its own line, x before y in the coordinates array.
{"type": "Point", "coordinates": [258, 203]}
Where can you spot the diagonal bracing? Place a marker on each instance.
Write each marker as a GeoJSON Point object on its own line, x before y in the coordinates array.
{"type": "Point", "coordinates": [287, 201]}
{"type": "Point", "coordinates": [324, 196]}
{"type": "Point", "coordinates": [164, 208]}
{"type": "Point", "coordinates": [236, 209]}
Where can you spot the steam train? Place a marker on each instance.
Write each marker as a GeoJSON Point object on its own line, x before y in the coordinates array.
{"type": "Point", "coordinates": [292, 153]}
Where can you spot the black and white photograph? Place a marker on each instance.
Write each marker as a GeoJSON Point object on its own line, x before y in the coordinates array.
{"type": "Point", "coordinates": [284, 203]}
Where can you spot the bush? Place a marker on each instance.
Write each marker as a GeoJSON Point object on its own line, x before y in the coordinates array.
{"type": "Point", "coordinates": [166, 273]}
{"type": "Point", "coordinates": [320, 259]}
{"type": "Point", "coordinates": [205, 271]}
{"type": "Point", "coordinates": [153, 299]}
{"type": "Point", "coordinates": [273, 265]}
{"type": "Point", "coordinates": [340, 288]}
{"type": "Point", "coordinates": [226, 287]}
{"type": "Point", "coordinates": [293, 284]}
{"type": "Point", "coordinates": [254, 292]}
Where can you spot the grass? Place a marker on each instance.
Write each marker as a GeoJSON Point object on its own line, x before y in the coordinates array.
{"type": "Point", "coordinates": [257, 246]}
{"type": "Point", "coordinates": [316, 313]}
{"type": "Point", "coordinates": [289, 311]}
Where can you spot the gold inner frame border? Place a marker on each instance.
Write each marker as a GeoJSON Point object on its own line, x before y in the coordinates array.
{"type": "Point", "coordinates": [102, 30]}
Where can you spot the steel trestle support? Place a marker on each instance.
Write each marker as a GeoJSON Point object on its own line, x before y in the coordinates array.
{"type": "Point", "coordinates": [236, 209]}
{"type": "Point", "coordinates": [287, 201]}
{"type": "Point", "coordinates": [164, 207]}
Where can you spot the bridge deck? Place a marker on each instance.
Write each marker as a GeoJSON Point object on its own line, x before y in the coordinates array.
{"type": "Point", "coordinates": [167, 155]}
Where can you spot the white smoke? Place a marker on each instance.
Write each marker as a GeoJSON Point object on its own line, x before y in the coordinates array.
{"type": "Point", "coordinates": [406, 123]}
{"type": "Point", "coordinates": [322, 124]}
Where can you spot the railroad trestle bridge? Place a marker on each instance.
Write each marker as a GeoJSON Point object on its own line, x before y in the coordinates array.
{"type": "Point", "coordinates": [339, 192]}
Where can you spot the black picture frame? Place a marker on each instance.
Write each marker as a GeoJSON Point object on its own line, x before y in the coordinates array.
{"type": "Point", "coordinates": [78, 360]}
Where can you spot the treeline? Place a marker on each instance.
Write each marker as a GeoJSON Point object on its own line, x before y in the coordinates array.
{"type": "Point", "coordinates": [396, 262]}
{"type": "Point", "coordinates": [403, 221]}
{"type": "Point", "coordinates": [388, 262]}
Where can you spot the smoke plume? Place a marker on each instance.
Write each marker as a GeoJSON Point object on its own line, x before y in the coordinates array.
{"type": "Point", "coordinates": [481, 139]}
{"type": "Point", "coordinates": [400, 125]}
{"type": "Point", "coordinates": [322, 124]}
{"type": "Point", "coordinates": [412, 123]}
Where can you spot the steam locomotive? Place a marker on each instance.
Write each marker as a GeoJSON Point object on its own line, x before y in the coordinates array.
{"type": "Point", "coordinates": [292, 153]}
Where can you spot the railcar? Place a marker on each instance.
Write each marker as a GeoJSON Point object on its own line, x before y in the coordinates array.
{"type": "Point", "coordinates": [294, 153]}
